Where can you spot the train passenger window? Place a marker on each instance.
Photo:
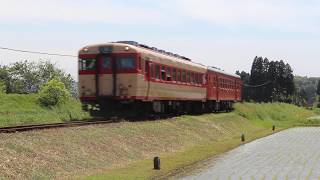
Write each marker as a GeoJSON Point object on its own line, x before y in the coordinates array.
{"type": "Point", "coordinates": [152, 71]}
{"type": "Point", "coordinates": [126, 63]}
{"type": "Point", "coordinates": [191, 77]}
{"type": "Point", "coordinates": [174, 74]}
{"type": "Point", "coordinates": [188, 76]}
{"type": "Point", "coordinates": [163, 73]}
{"type": "Point", "coordinates": [178, 75]}
{"type": "Point", "coordinates": [184, 76]}
{"type": "Point", "coordinates": [201, 79]}
{"type": "Point", "coordinates": [157, 70]}
{"type": "Point", "coordinates": [168, 71]}
{"type": "Point", "coordinates": [196, 78]}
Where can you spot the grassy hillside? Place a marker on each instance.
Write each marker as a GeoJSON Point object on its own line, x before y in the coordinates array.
{"type": "Point", "coordinates": [21, 109]}
{"type": "Point", "coordinates": [125, 150]}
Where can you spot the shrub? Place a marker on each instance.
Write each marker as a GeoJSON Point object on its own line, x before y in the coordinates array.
{"type": "Point", "coordinates": [53, 93]}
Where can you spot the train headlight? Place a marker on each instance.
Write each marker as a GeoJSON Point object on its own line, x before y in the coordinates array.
{"type": "Point", "coordinates": [126, 48]}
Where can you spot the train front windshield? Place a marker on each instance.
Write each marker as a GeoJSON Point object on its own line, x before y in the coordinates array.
{"type": "Point", "coordinates": [87, 64]}
{"type": "Point", "coordinates": [122, 63]}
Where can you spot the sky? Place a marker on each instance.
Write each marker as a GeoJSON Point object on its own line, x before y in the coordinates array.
{"type": "Point", "coordinates": [222, 33]}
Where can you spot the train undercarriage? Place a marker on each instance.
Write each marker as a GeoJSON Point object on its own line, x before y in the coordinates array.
{"type": "Point", "coordinates": [134, 108]}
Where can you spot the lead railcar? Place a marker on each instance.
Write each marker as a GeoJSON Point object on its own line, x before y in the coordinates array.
{"type": "Point", "coordinates": [147, 78]}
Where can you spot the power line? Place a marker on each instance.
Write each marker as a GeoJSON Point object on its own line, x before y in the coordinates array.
{"type": "Point", "coordinates": [260, 85]}
{"type": "Point", "coordinates": [36, 52]}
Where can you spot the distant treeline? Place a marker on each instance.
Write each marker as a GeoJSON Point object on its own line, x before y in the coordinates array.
{"type": "Point", "coordinates": [270, 81]}
{"type": "Point", "coordinates": [28, 77]}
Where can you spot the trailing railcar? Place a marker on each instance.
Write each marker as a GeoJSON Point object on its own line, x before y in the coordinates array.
{"type": "Point", "coordinates": [114, 74]}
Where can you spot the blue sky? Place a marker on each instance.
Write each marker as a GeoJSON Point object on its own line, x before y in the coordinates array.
{"type": "Point", "coordinates": [227, 34]}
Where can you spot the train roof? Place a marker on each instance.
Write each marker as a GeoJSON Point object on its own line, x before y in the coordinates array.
{"type": "Point", "coordinates": [222, 72]}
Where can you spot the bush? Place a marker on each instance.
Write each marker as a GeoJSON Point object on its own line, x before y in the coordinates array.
{"type": "Point", "coordinates": [53, 93]}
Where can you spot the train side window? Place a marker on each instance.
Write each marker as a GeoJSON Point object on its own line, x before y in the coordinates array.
{"type": "Point", "coordinates": [184, 76]}
{"type": "Point", "coordinates": [191, 77]}
{"type": "Point", "coordinates": [163, 73]}
{"type": "Point", "coordinates": [157, 71]}
{"type": "Point", "coordinates": [174, 74]}
{"type": "Point", "coordinates": [152, 71]}
{"type": "Point", "coordinates": [196, 78]}
{"type": "Point", "coordinates": [178, 75]}
{"type": "Point", "coordinates": [201, 79]}
{"type": "Point", "coordinates": [188, 76]}
{"type": "Point", "coordinates": [168, 71]}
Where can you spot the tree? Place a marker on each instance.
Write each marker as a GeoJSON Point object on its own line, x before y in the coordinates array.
{"type": "Point", "coordinates": [29, 77]}
{"type": "Point", "coordinates": [270, 81]}
{"type": "Point", "coordinates": [53, 93]}
{"type": "Point", "coordinates": [318, 88]}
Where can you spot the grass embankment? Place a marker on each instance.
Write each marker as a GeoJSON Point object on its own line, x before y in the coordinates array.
{"type": "Point", "coordinates": [125, 150]}
{"type": "Point", "coordinates": [22, 109]}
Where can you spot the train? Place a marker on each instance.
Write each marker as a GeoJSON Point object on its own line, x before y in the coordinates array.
{"type": "Point", "coordinates": [126, 74]}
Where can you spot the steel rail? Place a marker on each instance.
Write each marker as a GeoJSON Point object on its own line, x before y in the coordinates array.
{"type": "Point", "coordinates": [13, 129]}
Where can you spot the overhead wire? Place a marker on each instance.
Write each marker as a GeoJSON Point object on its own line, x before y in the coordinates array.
{"type": "Point", "coordinates": [36, 52]}
{"type": "Point", "coordinates": [260, 85]}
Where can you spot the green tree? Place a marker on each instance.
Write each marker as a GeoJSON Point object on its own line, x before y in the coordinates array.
{"type": "Point", "coordinates": [53, 93]}
{"type": "Point", "coordinates": [318, 88]}
{"type": "Point", "coordinates": [29, 77]}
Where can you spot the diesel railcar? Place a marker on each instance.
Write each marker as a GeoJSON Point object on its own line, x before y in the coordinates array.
{"type": "Point", "coordinates": [146, 78]}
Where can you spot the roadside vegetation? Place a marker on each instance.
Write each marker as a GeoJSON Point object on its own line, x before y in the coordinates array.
{"type": "Point", "coordinates": [35, 93]}
{"type": "Point", "coordinates": [23, 109]}
{"type": "Point", "coordinates": [125, 150]}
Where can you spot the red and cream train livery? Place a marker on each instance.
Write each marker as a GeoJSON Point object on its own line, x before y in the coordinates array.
{"type": "Point", "coordinates": [126, 72]}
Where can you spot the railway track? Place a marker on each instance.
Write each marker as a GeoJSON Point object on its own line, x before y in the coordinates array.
{"type": "Point", "coordinates": [13, 129]}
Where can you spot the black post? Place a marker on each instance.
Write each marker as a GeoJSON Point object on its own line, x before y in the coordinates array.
{"type": "Point", "coordinates": [243, 138]}
{"type": "Point", "coordinates": [156, 163]}
{"type": "Point", "coordinates": [273, 127]}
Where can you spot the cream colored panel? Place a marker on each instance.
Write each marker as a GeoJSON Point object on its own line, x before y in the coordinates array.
{"type": "Point", "coordinates": [163, 90]}
{"type": "Point", "coordinates": [87, 85]}
{"type": "Point", "coordinates": [105, 85]}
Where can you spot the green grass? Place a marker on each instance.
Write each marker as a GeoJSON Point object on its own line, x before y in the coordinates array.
{"type": "Point", "coordinates": [22, 109]}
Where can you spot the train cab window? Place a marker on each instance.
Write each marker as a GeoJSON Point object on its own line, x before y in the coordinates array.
{"type": "Point", "coordinates": [201, 79]}
{"type": "Point", "coordinates": [174, 74]}
{"type": "Point", "coordinates": [126, 63]}
{"type": "Point", "coordinates": [184, 76]}
{"type": "Point", "coordinates": [163, 73]}
{"type": "Point", "coordinates": [87, 64]}
{"type": "Point", "coordinates": [157, 71]}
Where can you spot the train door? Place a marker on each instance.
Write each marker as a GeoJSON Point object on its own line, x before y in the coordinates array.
{"type": "Point", "coordinates": [147, 76]}
{"type": "Point", "coordinates": [106, 76]}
